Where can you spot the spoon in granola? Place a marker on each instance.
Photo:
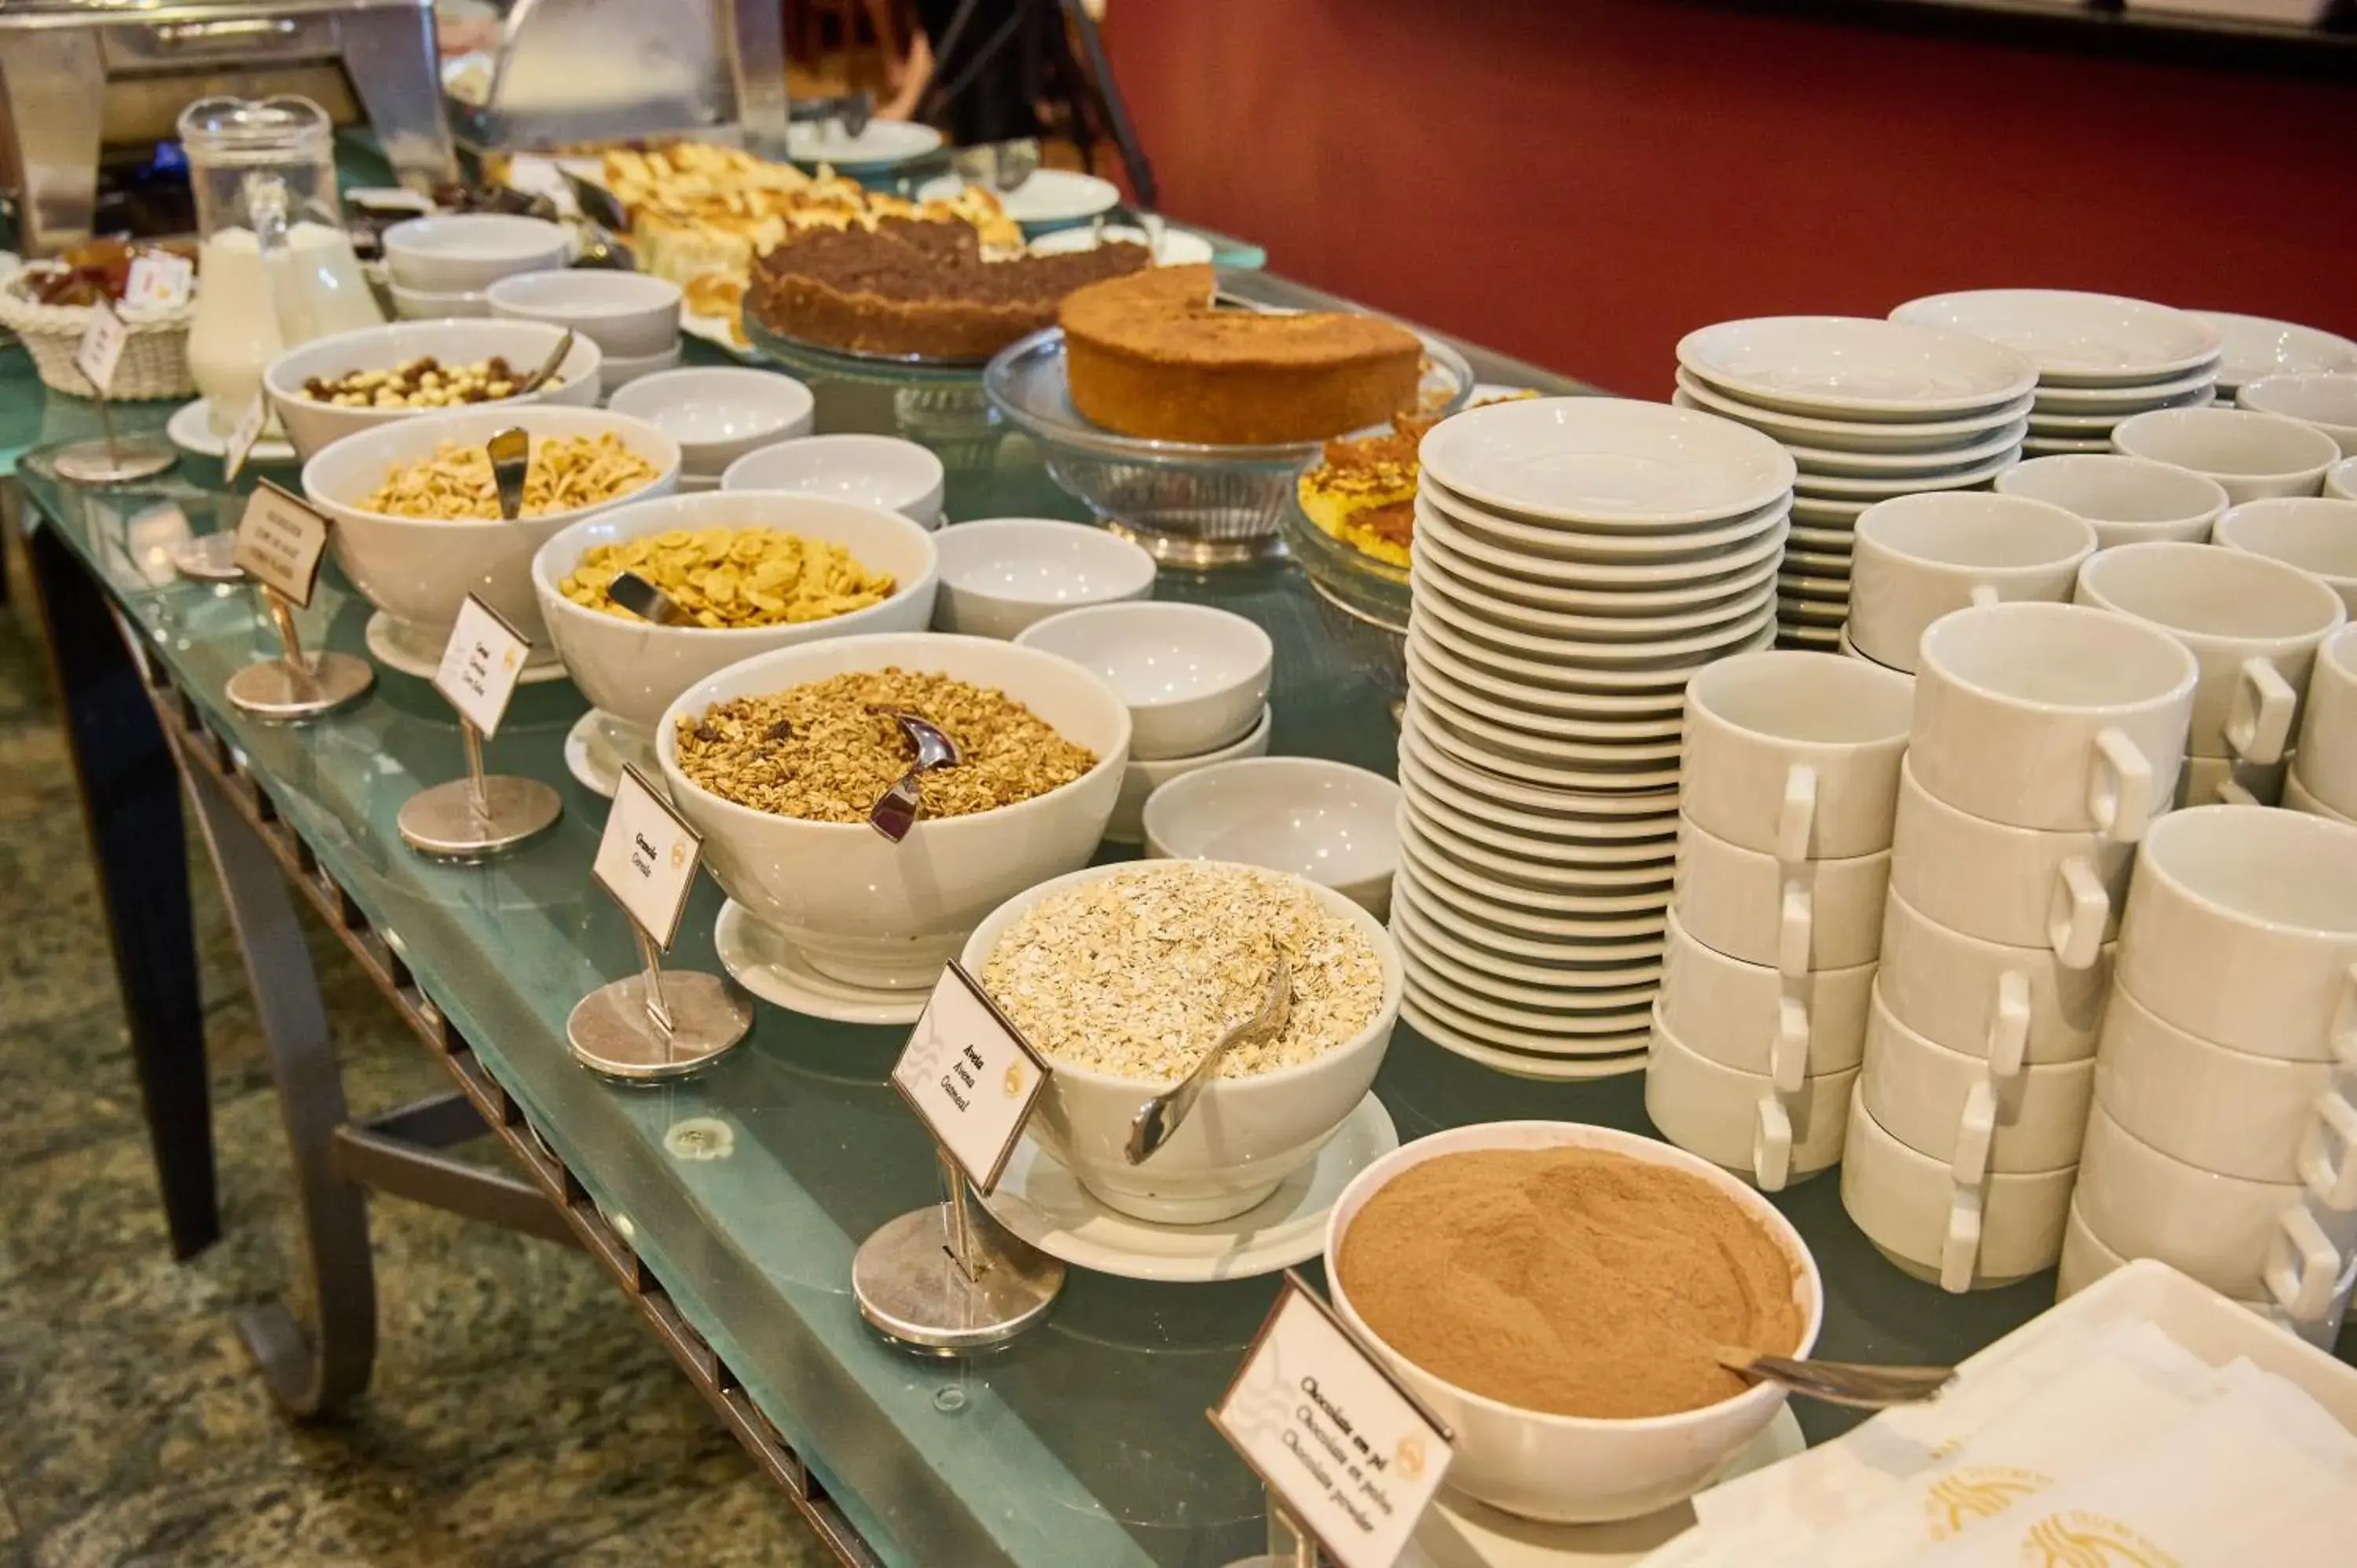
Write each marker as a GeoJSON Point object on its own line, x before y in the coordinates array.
{"type": "Point", "coordinates": [896, 811]}
{"type": "Point", "coordinates": [1159, 1120]}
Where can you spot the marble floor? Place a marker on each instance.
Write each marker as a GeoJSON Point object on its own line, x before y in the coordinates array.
{"type": "Point", "coordinates": [519, 1418]}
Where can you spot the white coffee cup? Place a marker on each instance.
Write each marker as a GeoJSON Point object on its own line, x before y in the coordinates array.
{"type": "Point", "coordinates": [2252, 623]}
{"type": "Point", "coordinates": [2316, 534]}
{"type": "Point", "coordinates": [2231, 781]}
{"type": "Point", "coordinates": [2328, 732]}
{"type": "Point", "coordinates": [1750, 1017]}
{"type": "Point", "coordinates": [1931, 1226]}
{"type": "Point", "coordinates": [2016, 885]}
{"type": "Point", "coordinates": [1918, 557]}
{"type": "Point", "coordinates": [2297, 797]}
{"type": "Point", "coordinates": [2054, 716]}
{"type": "Point", "coordinates": [2242, 928]}
{"type": "Point", "coordinates": [1795, 754]}
{"type": "Point", "coordinates": [2230, 1233]}
{"type": "Point", "coordinates": [2126, 499]}
{"type": "Point", "coordinates": [1981, 1114]}
{"type": "Point", "coordinates": [1819, 914]}
{"type": "Point", "coordinates": [1985, 998]}
{"type": "Point", "coordinates": [2087, 1257]}
{"type": "Point", "coordinates": [2250, 455]}
{"type": "Point", "coordinates": [2224, 1110]}
{"type": "Point", "coordinates": [1737, 1120]}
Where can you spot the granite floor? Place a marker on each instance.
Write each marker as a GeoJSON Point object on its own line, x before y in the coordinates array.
{"type": "Point", "coordinates": [520, 1417]}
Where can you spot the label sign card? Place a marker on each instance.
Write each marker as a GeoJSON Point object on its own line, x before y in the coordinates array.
{"type": "Point", "coordinates": [970, 1076]}
{"type": "Point", "coordinates": [1351, 1455]}
{"type": "Point", "coordinates": [160, 280]}
{"type": "Point", "coordinates": [101, 348]}
{"type": "Point", "coordinates": [242, 439]}
{"type": "Point", "coordinates": [648, 856]}
{"type": "Point", "coordinates": [280, 542]}
{"type": "Point", "coordinates": [480, 665]}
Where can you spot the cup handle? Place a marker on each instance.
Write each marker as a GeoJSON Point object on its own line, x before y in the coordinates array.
{"type": "Point", "coordinates": [2009, 1034]}
{"type": "Point", "coordinates": [1798, 817]}
{"type": "Point", "coordinates": [1772, 1144]}
{"type": "Point", "coordinates": [1788, 1056]}
{"type": "Point", "coordinates": [2259, 714]}
{"type": "Point", "coordinates": [2302, 1265]}
{"type": "Point", "coordinates": [1983, 595]}
{"type": "Point", "coordinates": [1795, 922]}
{"type": "Point", "coordinates": [1975, 1130]}
{"type": "Point", "coordinates": [2343, 1039]}
{"type": "Point", "coordinates": [1960, 1249]}
{"type": "Point", "coordinates": [2076, 913]}
{"type": "Point", "coordinates": [2119, 788]}
{"type": "Point", "coordinates": [2327, 1155]}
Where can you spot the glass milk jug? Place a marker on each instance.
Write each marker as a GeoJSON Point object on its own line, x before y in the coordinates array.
{"type": "Point", "coordinates": [273, 265]}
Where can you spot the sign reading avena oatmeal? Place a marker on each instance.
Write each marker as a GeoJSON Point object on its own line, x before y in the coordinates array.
{"type": "Point", "coordinates": [970, 1076]}
{"type": "Point", "coordinates": [1350, 1455]}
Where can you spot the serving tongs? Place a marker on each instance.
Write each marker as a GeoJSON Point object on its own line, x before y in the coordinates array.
{"type": "Point", "coordinates": [646, 601]}
{"type": "Point", "coordinates": [1159, 1119]}
{"type": "Point", "coordinates": [896, 811]}
{"type": "Point", "coordinates": [510, 455]}
{"type": "Point", "coordinates": [853, 109]}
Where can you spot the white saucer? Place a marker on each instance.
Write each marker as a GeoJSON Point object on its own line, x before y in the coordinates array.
{"type": "Point", "coordinates": [879, 142]}
{"type": "Point", "coordinates": [761, 962]}
{"type": "Point", "coordinates": [594, 758]}
{"type": "Point", "coordinates": [191, 430]}
{"type": "Point", "coordinates": [392, 644]}
{"type": "Point", "coordinates": [1042, 1202]}
{"type": "Point", "coordinates": [1518, 1064]}
{"type": "Point", "coordinates": [1048, 196]}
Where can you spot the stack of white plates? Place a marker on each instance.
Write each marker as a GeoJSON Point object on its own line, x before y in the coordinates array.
{"type": "Point", "coordinates": [1869, 410]}
{"type": "Point", "coordinates": [2255, 346]}
{"type": "Point", "coordinates": [2100, 358]}
{"type": "Point", "coordinates": [1576, 560]}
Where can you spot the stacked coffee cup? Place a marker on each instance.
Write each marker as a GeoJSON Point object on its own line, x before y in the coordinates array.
{"type": "Point", "coordinates": [2322, 780]}
{"type": "Point", "coordinates": [1792, 766]}
{"type": "Point", "coordinates": [2045, 739]}
{"type": "Point", "coordinates": [1920, 557]}
{"type": "Point", "coordinates": [2224, 1138]}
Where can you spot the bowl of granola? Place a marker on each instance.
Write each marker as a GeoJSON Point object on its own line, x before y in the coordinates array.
{"type": "Point", "coordinates": [1123, 975]}
{"type": "Point", "coordinates": [339, 385]}
{"type": "Point", "coordinates": [778, 759]}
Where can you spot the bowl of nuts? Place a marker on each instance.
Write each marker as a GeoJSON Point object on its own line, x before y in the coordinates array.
{"type": "Point", "coordinates": [1123, 975]}
{"type": "Point", "coordinates": [751, 572]}
{"type": "Point", "coordinates": [779, 760]}
{"type": "Point", "coordinates": [340, 385]}
{"type": "Point", "coordinates": [417, 517]}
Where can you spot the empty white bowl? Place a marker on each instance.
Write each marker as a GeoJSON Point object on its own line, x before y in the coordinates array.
{"type": "Point", "coordinates": [2327, 402]}
{"type": "Point", "coordinates": [616, 374]}
{"type": "Point", "coordinates": [1002, 575]}
{"type": "Point", "coordinates": [1195, 677]}
{"type": "Point", "coordinates": [420, 305]}
{"type": "Point", "coordinates": [2129, 500]}
{"type": "Point", "coordinates": [1566, 1467]}
{"type": "Point", "coordinates": [455, 250]}
{"type": "Point", "coordinates": [631, 314]}
{"type": "Point", "coordinates": [1141, 780]}
{"type": "Point", "coordinates": [2250, 455]}
{"type": "Point", "coordinates": [312, 426]}
{"type": "Point", "coordinates": [1327, 822]}
{"type": "Point", "coordinates": [881, 470]}
{"type": "Point", "coordinates": [718, 414]}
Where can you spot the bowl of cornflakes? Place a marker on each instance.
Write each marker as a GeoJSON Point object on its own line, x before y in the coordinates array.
{"type": "Point", "coordinates": [753, 570]}
{"type": "Point", "coordinates": [417, 517]}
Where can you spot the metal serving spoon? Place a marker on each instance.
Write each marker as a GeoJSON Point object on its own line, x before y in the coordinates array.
{"type": "Point", "coordinates": [510, 455]}
{"type": "Point", "coordinates": [646, 601]}
{"type": "Point", "coordinates": [1855, 1383]}
{"type": "Point", "coordinates": [539, 377]}
{"type": "Point", "coordinates": [895, 813]}
{"type": "Point", "coordinates": [1159, 1118]}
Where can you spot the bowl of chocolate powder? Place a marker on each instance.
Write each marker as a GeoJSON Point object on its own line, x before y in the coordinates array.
{"type": "Point", "coordinates": [1554, 1292]}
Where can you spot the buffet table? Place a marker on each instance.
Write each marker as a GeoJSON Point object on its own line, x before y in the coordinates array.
{"type": "Point", "coordinates": [726, 1207]}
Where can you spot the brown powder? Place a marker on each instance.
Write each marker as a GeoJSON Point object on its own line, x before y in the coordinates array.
{"type": "Point", "coordinates": [1577, 1282]}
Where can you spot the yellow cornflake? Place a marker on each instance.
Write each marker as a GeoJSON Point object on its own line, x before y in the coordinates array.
{"type": "Point", "coordinates": [734, 576]}
{"type": "Point", "coordinates": [455, 484]}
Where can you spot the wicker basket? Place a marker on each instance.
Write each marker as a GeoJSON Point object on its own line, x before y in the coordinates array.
{"type": "Point", "coordinates": [155, 357]}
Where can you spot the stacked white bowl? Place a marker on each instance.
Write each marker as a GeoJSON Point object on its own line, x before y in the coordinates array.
{"type": "Point", "coordinates": [2255, 346]}
{"type": "Point", "coordinates": [718, 414]}
{"type": "Point", "coordinates": [633, 317]}
{"type": "Point", "coordinates": [1577, 560]}
{"type": "Point", "coordinates": [443, 265]}
{"type": "Point", "coordinates": [1869, 410]}
{"type": "Point", "coordinates": [2101, 358]}
{"type": "Point", "coordinates": [1792, 777]}
{"type": "Point", "coordinates": [1921, 557]}
{"type": "Point", "coordinates": [2045, 739]}
{"type": "Point", "coordinates": [2322, 779]}
{"type": "Point", "coordinates": [2224, 1140]}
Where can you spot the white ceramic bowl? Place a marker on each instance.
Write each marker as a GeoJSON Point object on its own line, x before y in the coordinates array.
{"type": "Point", "coordinates": [451, 252]}
{"type": "Point", "coordinates": [2327, 402]}
{"type": "Point", "coordinates": [1140, 779]}
{"type": "Point", "coordinates": [630, 315]}
{"type": "Point", "coordinates": [863, 911]}
{"type": "Point", "coordinates": [718, 414]}
{"type": "Point", "coordinates": [1003, 574]}
{"type": "Point", "coordinates": [418, 305]}
{"type": "Point", "coordinates": [1566, 1467]}
{"type": "Point", "coordinates": [2250, 455]}
{"type": "Point", "coordinates": [632, 670]}
{"type": "Point", "coordinates": [1326, 822]}
{"type": "Point", "coordinates": [881, 470]}
{"type": "Point", "coordinates": [2129, 500]}
{"type": "Point", "coordinates": [312, 426]}
{"type": "Point", "coordinates": [1195, 677]}
{"type": "Point", "coordinates": [1245, 1134]}
{"type": "Point", "coordinates": [616, 374]}
{"type": "Point", "coordinates": [419, 570]}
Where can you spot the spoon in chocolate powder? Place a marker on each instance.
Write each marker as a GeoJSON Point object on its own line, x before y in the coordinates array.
{"type": "Point", "coordinates": [1159, 1117]}
{"type": "Point", "coordinates": [1855, 1383]}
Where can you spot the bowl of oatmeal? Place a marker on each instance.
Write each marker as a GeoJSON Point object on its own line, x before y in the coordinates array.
{"type": "Point", "coordinates": [1123, 976]}
{"type": "Point", "coordinates": [778, 759]}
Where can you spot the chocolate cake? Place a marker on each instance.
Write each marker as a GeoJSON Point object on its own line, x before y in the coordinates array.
{"type": "Point", "coordinates": [1149, 355]}
{"type": "Point", "coordinates": [909, 287]}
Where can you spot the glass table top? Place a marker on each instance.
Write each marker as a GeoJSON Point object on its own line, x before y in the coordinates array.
{"type": "Point", "coordinates": [1085, 1441]}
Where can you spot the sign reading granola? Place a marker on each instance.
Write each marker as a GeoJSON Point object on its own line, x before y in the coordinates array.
{"type": "Point", "coordinates": [101, 348]}
{"type": "Point", "coordinates": [648, 856]}
{"type": "Point", "coordinates": [1350, 1454]}
{"type": "Point", "coordinates": [242, 439]}
{"type": "Point", "coordinates": [280, 542]}
{"type": "Point", "coordinates": [970, 1076]}
{"type": "Point", "coordinates": [480, 665]}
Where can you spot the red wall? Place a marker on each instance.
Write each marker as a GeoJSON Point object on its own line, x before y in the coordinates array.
{"type": "Point", "coordinates": [1582, 181]}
